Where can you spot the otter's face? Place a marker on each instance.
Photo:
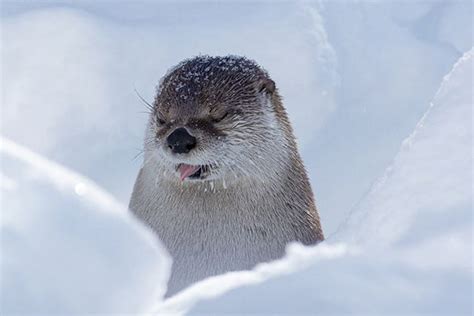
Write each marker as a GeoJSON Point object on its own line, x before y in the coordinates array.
{"type": "Point", "coordinates": [215, 126]}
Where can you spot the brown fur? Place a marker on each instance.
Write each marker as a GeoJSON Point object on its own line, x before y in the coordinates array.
{"type": "Point", "coordinates": [256, 198]}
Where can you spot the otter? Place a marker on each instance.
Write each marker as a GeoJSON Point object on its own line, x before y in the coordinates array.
{"type": "Point", "coordinates": [222, 183]}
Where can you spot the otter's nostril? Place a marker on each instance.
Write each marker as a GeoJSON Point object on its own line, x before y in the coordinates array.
{"type": "Point", "coordinates": [180, 141]}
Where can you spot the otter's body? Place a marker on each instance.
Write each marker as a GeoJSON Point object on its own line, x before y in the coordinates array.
{"type": "Point", "coordinates": [225, 194]}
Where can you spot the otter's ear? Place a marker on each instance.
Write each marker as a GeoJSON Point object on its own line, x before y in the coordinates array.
{"type": "Point", "coordinates": [266, 85]}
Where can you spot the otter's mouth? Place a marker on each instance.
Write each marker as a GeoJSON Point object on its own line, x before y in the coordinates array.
{"type": "Point", "coordinates": [192, 172]}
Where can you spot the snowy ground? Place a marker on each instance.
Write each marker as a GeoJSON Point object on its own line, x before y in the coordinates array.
{"type": "Point", "coordinates": [387, 142]}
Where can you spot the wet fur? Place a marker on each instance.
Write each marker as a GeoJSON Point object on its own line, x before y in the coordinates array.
{"type": "Point", "coordinates": [258, 198]}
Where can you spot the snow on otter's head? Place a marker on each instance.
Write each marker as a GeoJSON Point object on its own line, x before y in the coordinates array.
{"type": "Point", "coordinates": [215, 117]}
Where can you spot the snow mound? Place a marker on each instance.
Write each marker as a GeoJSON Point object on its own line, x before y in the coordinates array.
{"type": "Point", "coordinates": [430, 176]}
{"type": "Point", "coordinates": [68, 247]}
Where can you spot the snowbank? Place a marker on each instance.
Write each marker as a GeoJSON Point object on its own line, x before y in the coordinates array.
{"type": "Point", "coordinates": [429, 184]}
{"type": "Point", "coordinates": [69, 247]}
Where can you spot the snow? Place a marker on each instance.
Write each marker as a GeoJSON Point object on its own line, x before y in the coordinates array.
{"type": "Point", "coordinates": [68, 246]}
{"type": "Point", "coordinates": [387, 143]}
{"type": "Point", "coordinates": [439, 153]}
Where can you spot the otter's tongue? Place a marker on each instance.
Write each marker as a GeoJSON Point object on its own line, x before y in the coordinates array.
{"type": "Point", "coordinates": [186, 170]}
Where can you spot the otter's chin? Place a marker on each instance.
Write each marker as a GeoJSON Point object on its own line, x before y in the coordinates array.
{"type": "Point", "coordinates": [192, 172]}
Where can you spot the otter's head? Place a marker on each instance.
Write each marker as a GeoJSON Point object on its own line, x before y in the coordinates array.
{"type": "Point", "coordinates": [215, 117]}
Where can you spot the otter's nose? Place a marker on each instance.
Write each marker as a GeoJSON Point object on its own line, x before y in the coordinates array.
{"type": "Point", "coordinates": [180, 141]}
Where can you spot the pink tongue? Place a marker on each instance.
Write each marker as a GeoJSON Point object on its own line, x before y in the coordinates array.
{"type": "Point", "coordinates": [187, 170]}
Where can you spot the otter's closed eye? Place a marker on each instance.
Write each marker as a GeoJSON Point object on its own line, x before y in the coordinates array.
{"type": "Point", "coordinates": [217, 120]}
{"type": "Point", "coordinates": [160, 121]}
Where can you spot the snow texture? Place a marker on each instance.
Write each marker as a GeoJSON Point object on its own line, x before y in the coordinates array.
{"type": "Point", "coordinates": [68, 246]}
{"type": "Point", "coordinates": [358, 79]}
